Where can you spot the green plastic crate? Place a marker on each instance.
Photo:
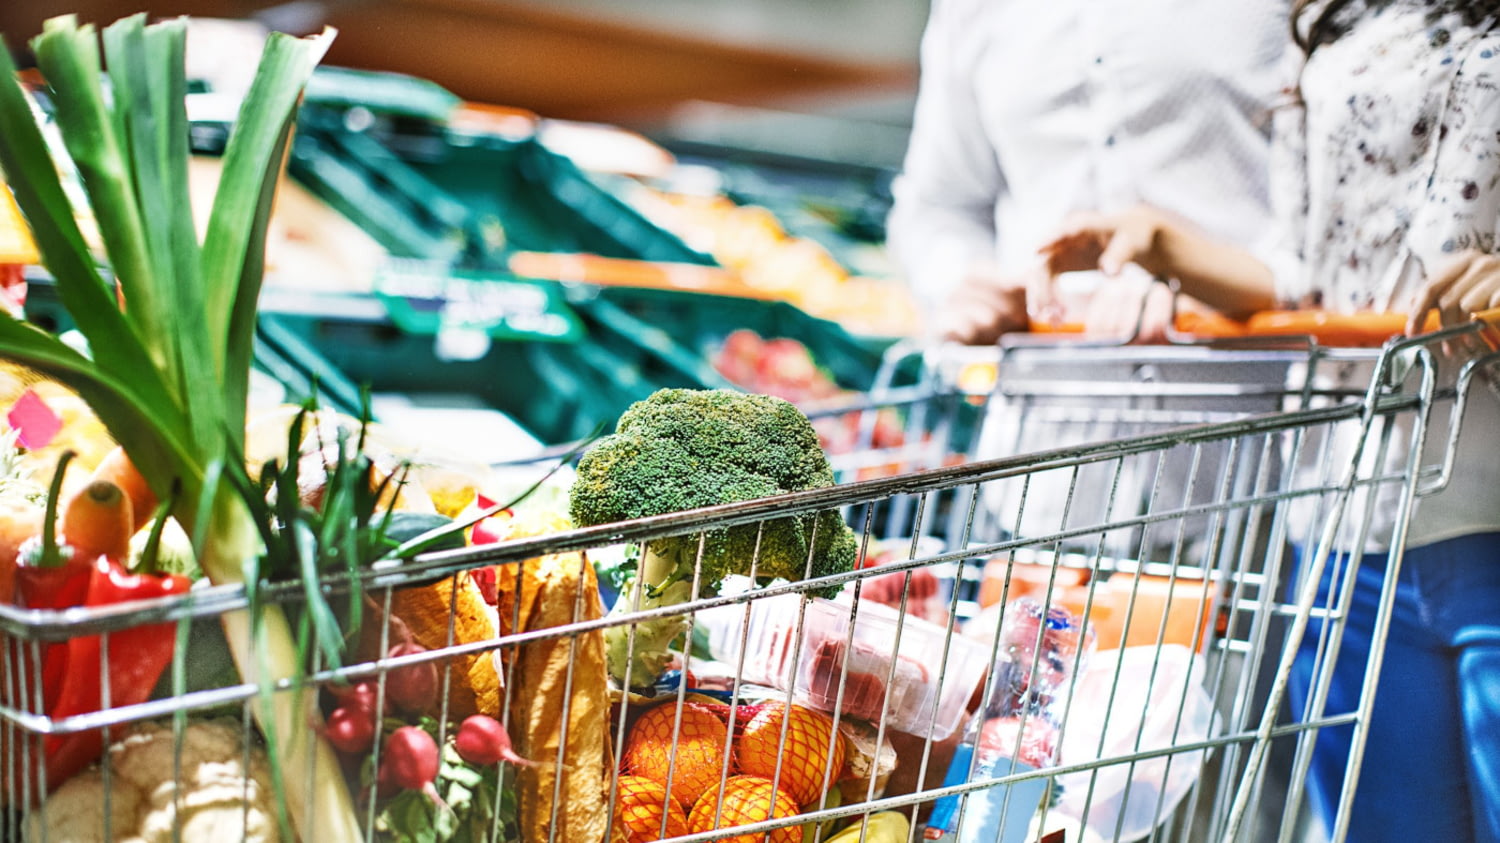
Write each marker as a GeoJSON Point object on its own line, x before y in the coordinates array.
{"type": "Point", "coordinates": [559, 391]}
{"type": "Point", "coordinates": [469, 200]}
{"type": "Point", "coordinates": [699, 323]}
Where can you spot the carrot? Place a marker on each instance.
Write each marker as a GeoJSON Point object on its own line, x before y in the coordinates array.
{"type": "Point", "coordinates": [98, 522]}
{"type": "Point", "coordinates": [117, 468]}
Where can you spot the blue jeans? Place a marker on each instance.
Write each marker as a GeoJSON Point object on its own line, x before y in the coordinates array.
{"type": "Point", "coordinates": [1431, 768]}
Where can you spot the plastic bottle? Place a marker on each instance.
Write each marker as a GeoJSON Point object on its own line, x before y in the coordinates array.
{"type": "Point", "coordinates": [1016, 730]}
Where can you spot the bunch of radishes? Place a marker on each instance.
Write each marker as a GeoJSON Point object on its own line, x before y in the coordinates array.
{"type": "Point", "coordinates": [410, 757]}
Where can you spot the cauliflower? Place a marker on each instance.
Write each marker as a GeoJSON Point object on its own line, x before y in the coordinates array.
{"type": "Point", "coordinates": [218, 801]}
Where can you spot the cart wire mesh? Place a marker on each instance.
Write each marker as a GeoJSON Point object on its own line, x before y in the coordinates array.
{"type": "Point", "coordinates": [1190, 538]}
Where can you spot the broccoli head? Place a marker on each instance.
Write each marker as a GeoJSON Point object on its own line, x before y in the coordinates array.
{"type": "Point", "coordinates": [684, 449]}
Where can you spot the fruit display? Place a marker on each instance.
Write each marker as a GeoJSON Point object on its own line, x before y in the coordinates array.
{"type": "Point", "coordinates": [646, 811]}
{"type": "Point", "coordinates": [755, 750]}
{"type": "Point", "coordinates": [794, 746]}
{"type": "Point", "coordinates": [751, 241]}
{"type": "Point", "coordinates": [785, 368]}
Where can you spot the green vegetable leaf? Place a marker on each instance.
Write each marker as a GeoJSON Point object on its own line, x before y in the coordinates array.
{"type": "Point", "coordinates": [163, 380]}
{"type": "Point", "coordinates": [68, 56]}
{"type": "Point", "coordinates": [149, 85]}
{"type": "Point", "coordinates": [409, 818]}
{"type": "Point", "coordinates": [325, 625]}
{"type": "Point", "coordinates": [139, 118]}
{"type": "Point", "coordinates": [33, 178]}
{"type": "Point", "coordinates": [142, 430]}
{"type": "Point", "coordinates": [233, 252]}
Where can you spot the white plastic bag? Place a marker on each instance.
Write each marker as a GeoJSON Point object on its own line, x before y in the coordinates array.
{"type": "Point", "coordinates": [1145, 708]}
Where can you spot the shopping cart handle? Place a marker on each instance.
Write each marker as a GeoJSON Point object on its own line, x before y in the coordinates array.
{"type": "Point", "coordinates": [1367, 329]}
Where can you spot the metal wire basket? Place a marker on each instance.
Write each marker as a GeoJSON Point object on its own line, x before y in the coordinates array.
{"type": "Point", "coordinates": [1188, 600]}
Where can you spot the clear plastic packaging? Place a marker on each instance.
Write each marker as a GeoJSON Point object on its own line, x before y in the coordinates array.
{"type": "Point", "coordinates": [848, 659]}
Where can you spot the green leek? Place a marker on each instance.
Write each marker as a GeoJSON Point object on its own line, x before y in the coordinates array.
{"type": "Point", "coordinates": [169, 371]}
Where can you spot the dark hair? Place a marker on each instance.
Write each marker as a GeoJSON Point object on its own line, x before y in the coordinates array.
{"type": "Point", "coordinates": [1337, 16]}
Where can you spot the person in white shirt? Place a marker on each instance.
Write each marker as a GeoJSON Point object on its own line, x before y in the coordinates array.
{"type": "Point", "coordinates": [1387, 199]}
{"type": "Point", "coordinates": [1030, 111]}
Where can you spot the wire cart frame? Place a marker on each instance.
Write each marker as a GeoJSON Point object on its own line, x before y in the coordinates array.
{"type": "Point", "coordinates": [1200, 580]}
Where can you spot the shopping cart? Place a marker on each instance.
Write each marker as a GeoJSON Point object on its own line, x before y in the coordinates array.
{"type": "Point", "coordinates": [1167, 736]}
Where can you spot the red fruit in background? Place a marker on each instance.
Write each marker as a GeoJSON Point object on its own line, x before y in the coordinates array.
{"type": "Point", "coordinates": [739, 357]}
{"type": "Point", "coordinates": [787, 370]}
{"type": "Point", "coordinates": [889, 431]}
{"type": "Point", "coordinates": [807, 754]}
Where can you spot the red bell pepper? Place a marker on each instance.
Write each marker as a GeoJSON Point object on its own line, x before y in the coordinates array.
{"type": "Point", "coordinates": [71, 670]}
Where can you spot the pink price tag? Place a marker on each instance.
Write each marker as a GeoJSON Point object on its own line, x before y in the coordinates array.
{"type": "Point", "coordinates": [34, 421]}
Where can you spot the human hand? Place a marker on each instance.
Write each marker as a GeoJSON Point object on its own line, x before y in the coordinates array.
{"type": "Point", "coordinates": [1136, 309]}
{"type": "Point", "coordinates": [1465, 285]}
{"type": "Point", "coordinates": [983, 307]}
{"type": "Point", "coordinates": [1109, 241]}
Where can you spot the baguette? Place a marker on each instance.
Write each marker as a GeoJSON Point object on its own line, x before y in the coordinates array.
{"type": "Point", "coordinates": [559, 696]}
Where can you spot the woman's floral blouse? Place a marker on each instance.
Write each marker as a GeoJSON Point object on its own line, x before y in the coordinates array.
{"type": "Point", "coordinates": [1391, 162]}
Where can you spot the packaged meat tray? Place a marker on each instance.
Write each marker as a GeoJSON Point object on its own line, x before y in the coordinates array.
{"type": "Point", "coordinates": [910, 684]}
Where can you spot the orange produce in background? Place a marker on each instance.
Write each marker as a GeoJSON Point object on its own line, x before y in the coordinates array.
{"type": "Point", "coordinates": [746, 799]}
{"type": "Point", "coordinates": [117, 468]}
{"type": "Point", "coordinates": [20, 520]}
{"type": "Point", "coordinates": [640, 806]}
{"type": "Point", "coordinates": [97, 521]}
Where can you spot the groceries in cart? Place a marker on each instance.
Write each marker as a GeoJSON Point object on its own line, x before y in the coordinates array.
{"type": "Point", "coordinates": [688, 449]}
{"type": "Point", "coordinates": [778, 758]}
{"type": "Point", "coordinates": [434, 730]}
{"type": "Point", "coordinates": [862, 659]}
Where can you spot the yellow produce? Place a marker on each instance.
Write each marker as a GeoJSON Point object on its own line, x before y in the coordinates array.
{"type": "Point", "coordinates": [884, 827]}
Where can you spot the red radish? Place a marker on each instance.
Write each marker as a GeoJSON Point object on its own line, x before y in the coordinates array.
{"type": "Point", "coordinates": [351, 729]}
{"type": "Point", "coordinates": [414, 687]}
{"type": "Point", "coordinates": [384, 787]}
{"type": "Point", "coordinates": [361, 695]}
{"type": "Point", "coordinates": [410, 761]}
{"type": "Point", "coordinates": [482, 741]}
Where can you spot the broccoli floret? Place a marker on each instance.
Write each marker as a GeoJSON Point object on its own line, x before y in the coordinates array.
{"type": "Point", "coordinates": [684, 449]}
